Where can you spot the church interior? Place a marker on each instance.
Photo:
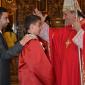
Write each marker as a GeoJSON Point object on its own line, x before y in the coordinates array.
{"type": "Point", "coordinates": [18, 9]}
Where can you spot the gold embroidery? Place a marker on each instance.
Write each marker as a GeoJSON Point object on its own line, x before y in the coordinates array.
{"type": "Point", "coordinates": [68, 42]}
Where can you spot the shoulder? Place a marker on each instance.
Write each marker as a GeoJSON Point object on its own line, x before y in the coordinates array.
{"type": "Point", "coordinates": [33, 47]}
{"type": "Point", "coordinates": [32, 43]}
{"type": "Point", "coordinates": [6, 34]}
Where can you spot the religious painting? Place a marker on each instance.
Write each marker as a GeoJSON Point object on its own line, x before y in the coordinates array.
{"type": "Point", "coordinates": [42, 5]}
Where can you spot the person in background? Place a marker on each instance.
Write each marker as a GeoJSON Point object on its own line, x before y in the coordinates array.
{"type": "Point", "coordinates": [9, 36]}
{"type": "Point", "coordinates": [48, 20]}
{"type": "Point", "coordinates": [11, 39]}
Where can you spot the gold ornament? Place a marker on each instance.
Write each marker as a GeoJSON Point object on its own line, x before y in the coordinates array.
{"type": "Point", "coordinates": [9, 1]}
{"type": "Point", "coordinates": [68, 42]}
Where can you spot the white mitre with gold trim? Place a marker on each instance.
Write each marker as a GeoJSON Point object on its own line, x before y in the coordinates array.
{"type": "Point", "coordinates": [71, 5]}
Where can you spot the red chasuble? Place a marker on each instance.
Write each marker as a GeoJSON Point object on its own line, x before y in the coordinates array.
{"type": "Point", "coordinates": [65, 56]}
{"type": "Point", "coordinates": [34, 66]}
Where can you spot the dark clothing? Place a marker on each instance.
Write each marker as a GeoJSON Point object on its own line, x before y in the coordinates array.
{"type": "Point", "coordinates": [5, 55]}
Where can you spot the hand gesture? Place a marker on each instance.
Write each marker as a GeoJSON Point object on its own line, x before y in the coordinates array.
{"type": "Point", "coordinates": [27, 38]}
{"type": "Point", "coordinates": [38, 13]}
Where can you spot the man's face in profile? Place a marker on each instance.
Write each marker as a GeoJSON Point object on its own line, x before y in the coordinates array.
{"type": "Point", "coordinates": [4, 19]}
{"type": "Point", "coordinates": [69, 16]}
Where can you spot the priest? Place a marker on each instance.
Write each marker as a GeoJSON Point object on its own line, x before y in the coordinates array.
{"type": "Point", "coordinates": [67, 50]}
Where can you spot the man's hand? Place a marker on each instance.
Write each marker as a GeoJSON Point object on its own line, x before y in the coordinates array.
{"type": "Point", "coordinates": [77, 26]}
{"type": "Point", "coordinates": [38, 13]}
{"type": "Point", "coordinates": [27, 38]}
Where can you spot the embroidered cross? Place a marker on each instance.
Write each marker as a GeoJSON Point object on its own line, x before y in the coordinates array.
{"type": "Point", "coordinates": [68, 42]}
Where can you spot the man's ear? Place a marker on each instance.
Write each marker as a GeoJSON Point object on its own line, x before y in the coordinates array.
{"type": "Point", "coordinates": [0, 20]}
{"type": "Point", "coordinates": [31, 26]}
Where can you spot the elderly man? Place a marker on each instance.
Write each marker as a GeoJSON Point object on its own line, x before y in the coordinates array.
{"type": "Point", "coordinates": [67, 48]}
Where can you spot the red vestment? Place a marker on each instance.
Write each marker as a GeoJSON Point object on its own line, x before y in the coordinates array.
{"type": "Point", "coordinates": [82, 22]}
{"type": "Point", "coordinates": [84, 54]}
{"type": "Point", "coordinates": [65, 56]}
{"type": "Point", "coordinates": [34, 66]}
{"type": "Point", "coordinates": [83, 26]}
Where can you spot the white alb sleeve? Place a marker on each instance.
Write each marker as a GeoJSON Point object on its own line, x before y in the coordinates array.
{"type": "Point", "coordinates": [78, 38]}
